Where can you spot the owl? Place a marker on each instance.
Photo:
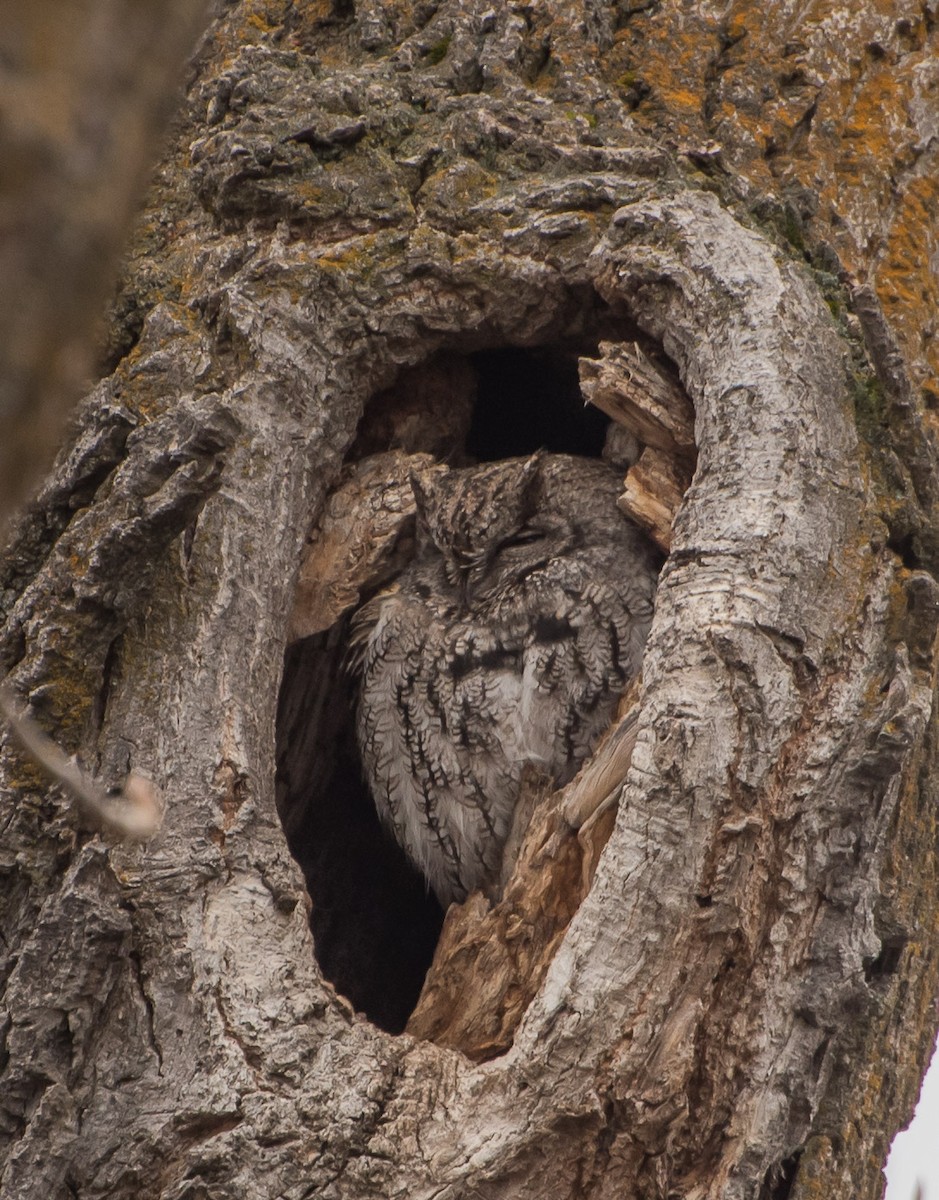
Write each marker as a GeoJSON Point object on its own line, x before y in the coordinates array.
{"type": "Point", "coordinates": [506, 642]}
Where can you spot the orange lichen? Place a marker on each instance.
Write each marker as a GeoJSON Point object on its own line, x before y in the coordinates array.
{"type": "Point", "coordinates": [818, 107]}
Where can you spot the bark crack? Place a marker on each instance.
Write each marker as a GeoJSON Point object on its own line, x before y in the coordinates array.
{"type": "Point", "coordinates": [136, 961]}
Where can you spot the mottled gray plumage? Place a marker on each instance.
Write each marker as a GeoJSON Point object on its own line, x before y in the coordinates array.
{"type": "Point", "coordinates": [507, 641]}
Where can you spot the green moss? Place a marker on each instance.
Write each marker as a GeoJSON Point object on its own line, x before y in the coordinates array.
{"type": "Point", "coordinates": [790, 226]}
{"type": "Point", "coordinates": [591, 118]}
{"type": "Point", "coordinates": [870, 406]}
{"type": "Point", "coordinates": [438, 51]}
{"type": "Point", "coordinates": [783, 223]}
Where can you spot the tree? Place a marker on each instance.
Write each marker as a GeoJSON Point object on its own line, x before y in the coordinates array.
{"type": "Point", "coordinates": [358, 201]}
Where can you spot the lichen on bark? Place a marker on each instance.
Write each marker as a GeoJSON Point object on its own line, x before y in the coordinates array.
{"type": "Point", "coordinates": [351, 191]}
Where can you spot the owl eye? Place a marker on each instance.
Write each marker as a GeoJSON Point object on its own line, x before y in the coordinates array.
{"type": "Point", "coordinates": [522, 537]}
{"type": "Point", "coordinates": [466, 558]}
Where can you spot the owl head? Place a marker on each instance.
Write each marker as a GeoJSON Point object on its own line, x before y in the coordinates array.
{"type": "Point", "coordinates": [485, 523]}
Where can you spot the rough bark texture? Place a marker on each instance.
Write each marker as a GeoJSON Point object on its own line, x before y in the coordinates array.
{"type": "Point", "coordinates": [743, 1002]}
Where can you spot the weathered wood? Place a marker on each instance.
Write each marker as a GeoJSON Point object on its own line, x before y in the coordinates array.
{"type": "Point", "coordinates": [743, 998]}
{"type": "Point", "coordinates": [653, 491]}
{"type": "Point", "coordinates": [628, 386]}
{"type": "Point", "coordinates": [507, 947]}
{"type": "Point", "coordinates": [359, 542]}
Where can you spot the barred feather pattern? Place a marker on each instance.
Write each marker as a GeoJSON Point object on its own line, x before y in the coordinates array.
{"type": "Point", "coordinates": [507, 641]}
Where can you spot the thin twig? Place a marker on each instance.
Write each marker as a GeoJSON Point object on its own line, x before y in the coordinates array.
{"type": "Point", "coordinates": [134, 813]}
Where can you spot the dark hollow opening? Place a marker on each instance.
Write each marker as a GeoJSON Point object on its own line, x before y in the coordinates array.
{"type": "Point", "coordinates": [546, 409]}
{"type": "Point", "coordinates": [374, 923]}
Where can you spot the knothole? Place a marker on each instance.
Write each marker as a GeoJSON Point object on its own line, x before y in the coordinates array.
{"type": "Point", "coordinates": [376, 922]}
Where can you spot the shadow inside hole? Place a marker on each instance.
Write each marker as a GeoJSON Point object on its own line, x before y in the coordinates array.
{"type": "Point", "coordinates": [375, 924]}
{"type": "Point", "coordinates": [528, 400]}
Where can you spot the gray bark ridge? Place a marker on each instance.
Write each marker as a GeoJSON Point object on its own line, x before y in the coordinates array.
{"type": "Point", "coordinates": [733, 911]}
{"type": "Point", "coordinates": [692, 1024]}
{"type": "Point", "coordinates": [728, 916]}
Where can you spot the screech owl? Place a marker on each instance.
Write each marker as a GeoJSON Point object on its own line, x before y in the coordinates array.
{"type": "Point", "coordinates": [507, 641]}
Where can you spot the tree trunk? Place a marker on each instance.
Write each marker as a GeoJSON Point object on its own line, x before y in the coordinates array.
{"type": "Point", "coordinates": [365, 212]}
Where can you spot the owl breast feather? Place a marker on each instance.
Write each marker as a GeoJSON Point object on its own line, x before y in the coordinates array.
{"type": "Point", "coordinates": [462, 687]}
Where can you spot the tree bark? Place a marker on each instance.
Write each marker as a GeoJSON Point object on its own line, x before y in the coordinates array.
{"type": "Point", "coordinates": [741, 1005]}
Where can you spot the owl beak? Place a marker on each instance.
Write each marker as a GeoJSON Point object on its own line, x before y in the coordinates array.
{"type": "Point", "coordinates": [464, 590]}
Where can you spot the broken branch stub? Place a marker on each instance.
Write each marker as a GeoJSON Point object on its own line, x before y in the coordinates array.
{"type": "Point", "coordinates": [360, 543]}
{"type": "Point", "coordinates": [634, 392]}
{"type": "Point", "coordinates": [631, 389]}
{"type": "Point", "coordinates": [653, 490]}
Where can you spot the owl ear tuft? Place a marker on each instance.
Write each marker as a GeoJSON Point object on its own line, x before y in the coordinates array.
{"type": "Point", "coordinates": [529, 481]}
{"type": "Point", "coordinates": [422, 498]}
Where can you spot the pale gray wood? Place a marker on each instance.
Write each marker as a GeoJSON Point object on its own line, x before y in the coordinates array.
{"type": "Point", "coordinates": [166, 1031]}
